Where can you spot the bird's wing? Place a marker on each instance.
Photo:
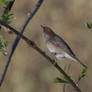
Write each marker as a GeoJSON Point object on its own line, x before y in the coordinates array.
{"type": "Point", "coordinates": [59, 42]}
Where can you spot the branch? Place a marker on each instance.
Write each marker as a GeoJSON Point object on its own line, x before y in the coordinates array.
{"type": "Point", "coordinates": [64, 87]}
{"type": "Point", "coordinates": [9, 5]}
{"type": "Point", "coordinates": [34, 46]}
{"type": "Point", "coordinates": [15, 43]}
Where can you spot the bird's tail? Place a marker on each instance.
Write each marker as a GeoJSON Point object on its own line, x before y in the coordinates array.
{"type": "Point", "coordinates": [74, 58]}
{"type": "Point", "coordinates": [81, 62]}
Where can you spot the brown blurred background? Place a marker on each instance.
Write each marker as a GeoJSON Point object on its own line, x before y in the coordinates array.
{"type": "Point", "coordinates": [31, 72]}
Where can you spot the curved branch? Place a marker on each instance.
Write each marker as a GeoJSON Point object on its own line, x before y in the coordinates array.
{"type": "Point", "coordinates": [34, 46]}
{"type": "Point", "coordinates": [18, 39]}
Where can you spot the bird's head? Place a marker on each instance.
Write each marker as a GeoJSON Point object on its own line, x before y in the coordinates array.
{"type": "Point", "coordinates": [47, 31]}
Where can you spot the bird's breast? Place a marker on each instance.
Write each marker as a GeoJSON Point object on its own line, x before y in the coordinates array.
{"type": "Point", "coordinates": [56, 51]}
{"type": "Point", "coordinates": [53, 48]}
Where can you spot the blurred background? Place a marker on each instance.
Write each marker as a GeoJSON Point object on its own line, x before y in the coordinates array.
{"type": "Point", "coordinates": [31, 72]}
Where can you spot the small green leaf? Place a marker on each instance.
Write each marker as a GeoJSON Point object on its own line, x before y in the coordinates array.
{"type": "Point", "coordinates": [89, 25]}
{"type": "Point", "coordinates": [7, 16]}
{"type": "Point", "coordinates": [59, 80]}
{"type": "Point", "coordinates": [83, 74]}
{"type": "Point", "coordinates": [3, 43]}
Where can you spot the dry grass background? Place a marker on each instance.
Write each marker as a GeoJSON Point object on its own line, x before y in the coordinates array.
{"type": "Point", "coordinates": [31, 72]}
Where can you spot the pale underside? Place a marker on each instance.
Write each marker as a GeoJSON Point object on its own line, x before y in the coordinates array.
{"type": "Point", "coordinates": [58, 52]}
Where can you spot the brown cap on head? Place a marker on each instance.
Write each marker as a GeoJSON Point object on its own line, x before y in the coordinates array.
{"type": "Point", "coordinates": [47, 30]}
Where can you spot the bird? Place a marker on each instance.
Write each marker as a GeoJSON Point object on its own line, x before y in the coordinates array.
{"type": "Point", "coordinates": [58, 46]}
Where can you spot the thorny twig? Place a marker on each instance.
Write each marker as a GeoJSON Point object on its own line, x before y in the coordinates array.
{"type": "Point", "coordinates": [18, 39]}
{"type": "Point", "coordinates": [34, 46]}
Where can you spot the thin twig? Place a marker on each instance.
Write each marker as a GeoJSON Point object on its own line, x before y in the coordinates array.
{"type": "Point", "coordinates": [34, 46]}
{"type": "Point", "coordinates": [64, 84]}
{"type": "Point", "coordinates": [9, 5]}
{"type": "Point", "coordinates": [16, 41]}
{"type": "Point", "coordinates": [64, 87]}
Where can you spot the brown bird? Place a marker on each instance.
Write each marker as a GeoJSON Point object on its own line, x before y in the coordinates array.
{"type": "Point", "coordinates": [58, 46]}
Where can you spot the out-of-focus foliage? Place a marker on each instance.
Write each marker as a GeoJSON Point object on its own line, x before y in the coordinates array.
{"type": "Point", "coordinates": [83, 74]}
{"type": "Point", "coordinates": [59, 80]}
{"type": "Point", "coordinates": [7, 16]}
{"type": "Point", "coordinates": [3, 43]}
{"type": "Point", "coordinates": [4, 2]}
{"type": "Point", "coordinates": [89, 25]}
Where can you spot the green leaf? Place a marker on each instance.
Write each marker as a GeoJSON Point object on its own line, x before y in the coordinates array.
{"type": "Point", "coordinates": [7, 16]}
{"type": "Point", "coordinates": [59, 80]}
{"type": "Point", "coordinates": [3, 43]}
{"type": "Point", "coordinates": [83, 74]}
{"type": "Point", "coordinates": [89, 24]}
